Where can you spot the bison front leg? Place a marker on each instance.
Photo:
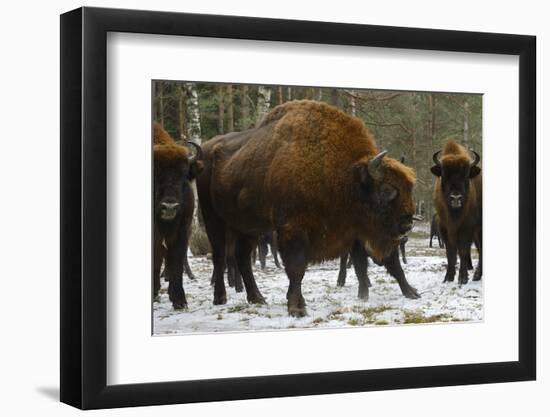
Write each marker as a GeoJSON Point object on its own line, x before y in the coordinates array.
{"type": "Point", "coordinates": [157, 262]}
{"type": "Point", "coordinates": [465, 262]}
{"type": "Point", "coordinates": [450, 249]}
{"type": "Point", "coordinates": [294, 257]}
{"type": "Point", "coordinates": [275, 250]}
{"type": "Point", "coordinates": [342, 273]}
{"type": "Point", "coordinates": [360, 262]}
{"type": "Point", "coordinates": [174, 264]}
{"type": "Point", "coordinates": [479, 270]}
{"type": "Point", "coordinates": [393, 266]}
{"type": "Point", "coordinates": [243, 252]}
{"type": "Point", "coordinates": [262, 252]}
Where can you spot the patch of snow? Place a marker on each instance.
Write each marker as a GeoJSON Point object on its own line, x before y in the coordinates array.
{"type": "Point", "coordinates": [327, 304]}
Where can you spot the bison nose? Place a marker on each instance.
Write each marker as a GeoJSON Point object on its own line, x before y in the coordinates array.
{"type": "Point", "coordinates": [455, 200]}
{"type": "Point", "coordinates": [169, 206]}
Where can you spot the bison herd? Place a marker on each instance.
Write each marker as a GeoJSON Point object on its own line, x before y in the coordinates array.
{"type": "Point", "coordinates": [310, 181]}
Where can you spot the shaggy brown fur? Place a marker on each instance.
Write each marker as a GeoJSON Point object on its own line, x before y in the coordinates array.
{"type": "Point", "coordinates": [173, 171]}
{"type": "Point", "coordinates": [459, 228]}
{"type": "Point", "coordinates": [303, 172]}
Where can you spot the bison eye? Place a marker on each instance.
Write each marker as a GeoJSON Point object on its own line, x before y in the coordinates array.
{"type": "Point", "coordinates": [388, 193]}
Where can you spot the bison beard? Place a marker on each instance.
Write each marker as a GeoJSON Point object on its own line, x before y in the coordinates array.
{"type": "Point", "coordinates": [314, 175]}
{"type": "Point", "coordinates": [457, 199]}
{"type": "Point", "coordinates": [174, 204]}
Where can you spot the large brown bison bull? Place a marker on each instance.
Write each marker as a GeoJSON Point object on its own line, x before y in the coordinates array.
{"type": "Point", "coordinates": [174, 169]}
{"type": "Point", "coordinates": [457, 199]}
{"type": "Point", "coordinates": [314, 175]}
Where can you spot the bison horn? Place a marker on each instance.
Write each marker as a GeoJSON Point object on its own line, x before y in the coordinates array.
{"type": "Point", "coordinates": [435, 157]}
{"type": "Point", "coordinates": [476, 158]}
{"type": "Point", "coordinates": [374, 166]}
{"type": "Point", "coordinates": [197, 154]}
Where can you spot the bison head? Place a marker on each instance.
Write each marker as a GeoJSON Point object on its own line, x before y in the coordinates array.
{"type": "Point", "coordinates": [455, 172]}
{"type": "Point", "coordinates": [174, 168]}
{"type": "Point", "coordinates": [384, 186]}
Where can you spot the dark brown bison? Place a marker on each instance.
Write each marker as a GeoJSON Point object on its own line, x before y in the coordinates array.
{"type": "Point", "coordinates": [457, 199]}
{"type": "Point", "coordinates": [174, 169]}
{"type": "Point", "coordinates": [434, 231]}
{"type": "Point", "coordinates": [359, 256]}
{"type": "Point", "coordinates": [314, 175]}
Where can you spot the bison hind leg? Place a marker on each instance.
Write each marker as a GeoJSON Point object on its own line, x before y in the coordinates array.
{"type": "Point", "coordinates": [243, 252]}
{"type": "Point", "coordinates": [293, 253]}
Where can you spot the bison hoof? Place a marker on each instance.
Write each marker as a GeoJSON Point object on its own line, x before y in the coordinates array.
{"type": "Point", "coordinates": [340, 283]}
{"type": "Point", "coordinates": [180, 305]}
{"type": "Point", "coordinates": [448, 278]}
{"type": "Point", "coordinates": [363, 294]}
{"type": "Point", "coordinates": [477, 275]}
{"type": "Point", "coordinates": [192, 277]}
{"type": "Point", "coordinates": [463, 279]}
{"type": "Point", "coordinates": [219, 300]}
{"type": "Point", "coordinates": [295, 311]}
{"type": "Point", "coordinates": [256, 299]}
{"type": "Point", "coordinates": [411, 293]}
{"type": "Point", "coordinates": [239, 288]}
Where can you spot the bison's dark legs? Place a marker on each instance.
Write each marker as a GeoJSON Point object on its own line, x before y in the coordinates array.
{"type": "Point", "coordinates": [243, 252]}
{"type": "Point", "coordinates": [275, 251]}
{"type": "Point", "coordinates": [393, 266]}
{"type": "Point", "coordinates": [186, 266]}
{"type": "Point", "coordinates": [464, 248]}
{"type": "Point", "coordinates": [402, 247]}
{"type": "Point", "coordinates": [360, 261]}
{"type": "Point", "coordinates": [294, 257]}
{"type": "Point", "coordinates": [216, 235]}
{"type": "Point", "coordinates": [343, 271]}
{"type": "Point", "coordinates": [431, 237]}
{"type": "Point", "coordinates": [479, 269]}
{"type": "Point", "coordinates": [234, 278]}
{"type": "Point", "coordinates": [174, 265]}
{"type": "Point", "coordinates": [262, 251]}
{"type": "Point", "coordinates": [233, 274]}
{"type": "Point", "coordinates": [157, 261]}
{"type": "Point", "coordinates": [451, 257]}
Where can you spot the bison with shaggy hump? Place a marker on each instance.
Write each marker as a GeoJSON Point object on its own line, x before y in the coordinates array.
{"type": "Point", "coordinates": [457, 199]}
{"type": "Point", "coordinates": [314, 175]}
{"type": "Point", "coordinates": [174, 169]}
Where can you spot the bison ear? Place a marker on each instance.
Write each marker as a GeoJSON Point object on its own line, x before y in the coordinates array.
{"type": "Point", "coordinates": [195, 169]}
{"type": "Point", "coordinates": [436, 170]}
{"type": "Point", "coordinates": [363, 183]}
{"type": "Point", "coordinates": [474, 171]}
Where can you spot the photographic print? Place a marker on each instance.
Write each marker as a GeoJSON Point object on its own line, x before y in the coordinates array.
{"type": "Point", "coordinates": [288, 207]}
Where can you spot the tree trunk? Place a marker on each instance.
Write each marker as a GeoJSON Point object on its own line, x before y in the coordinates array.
{"type": "Point", "coordinates": [319, 94]}
{"type": "Point", "coordinates": [466, 129]}
{"type": "Point", "coordinates": [245, 108]}
{"type": "Point", "coordinates": [221, 109]}
{"type": "Point", "coordinates": [280, 94]}
{"type": "Point", "coordinates": [431, 110]}
{"type": "Point", "coordinates": [352, 106]}
{"type": "Point", "coordinates": [182, 135]}
{"type": "Point", "coordinates": [264, 102]}
{"type": "Point", "coordinates": [194, 125]}
{"type": "Point", "coordinates": [230, 115]}
{"type": "Point", "coordinates": [335, 97]}
{"type": "Point", "coordinates": [160, 91]}
{"type": "Point", "coordinates": [289, 93]}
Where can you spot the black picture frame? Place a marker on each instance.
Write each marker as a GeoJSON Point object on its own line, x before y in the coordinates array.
{"type": "Point", "coordinates": [84, 206]}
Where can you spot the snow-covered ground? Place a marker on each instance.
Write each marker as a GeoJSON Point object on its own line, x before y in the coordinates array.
{"type": "Point", "coordinates": [327, 304]}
